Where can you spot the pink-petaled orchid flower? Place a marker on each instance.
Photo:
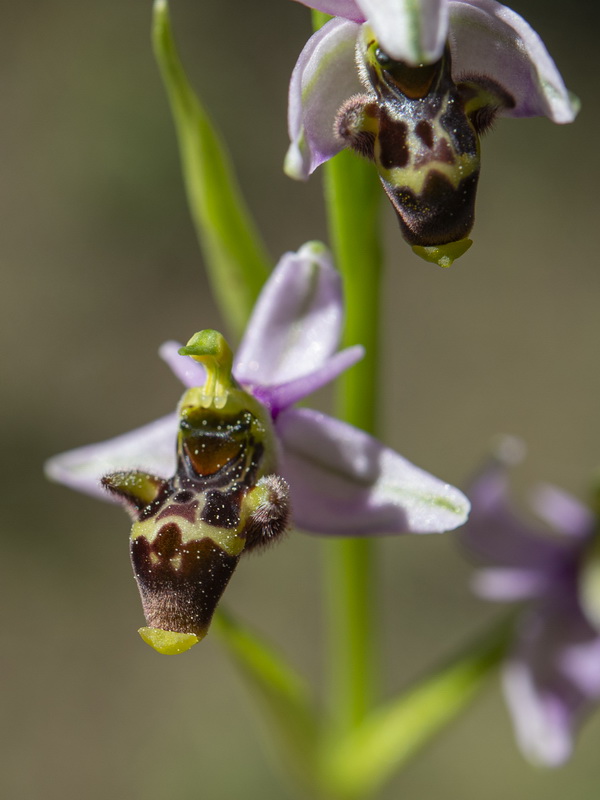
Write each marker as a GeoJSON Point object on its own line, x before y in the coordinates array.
{"type": "Point", "coordinates": [213, 480]}
{"type": "Point", "coordinates": [551, 677]}
{"type": "Point", "coordinates": [411, 85]}
{"type": "Point", "coordinates": [343, 481]}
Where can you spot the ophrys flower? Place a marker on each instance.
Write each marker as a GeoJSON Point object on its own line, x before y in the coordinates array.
{"type": "Point", "coordinates": [210, 482]}
{"type": "Point", "coordinates": [412, 86]}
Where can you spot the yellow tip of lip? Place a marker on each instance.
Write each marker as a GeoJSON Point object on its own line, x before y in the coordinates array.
{"type": "Point", "coordinates": [443, 255]}
{"type": "Point", "coordinates": [168, 643]}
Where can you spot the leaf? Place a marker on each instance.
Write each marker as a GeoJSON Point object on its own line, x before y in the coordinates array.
{"type": "Point", "coordinates": [387, 738]}
{"type": "Point", "coordinates": [235, 257]}
{"type": "Point", "coordinates": [282, 692]}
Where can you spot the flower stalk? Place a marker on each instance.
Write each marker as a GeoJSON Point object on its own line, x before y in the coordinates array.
{"type": "Point", "coordinates": [353, 202]}
{"type": "Point", "coordinates": [352, 196]}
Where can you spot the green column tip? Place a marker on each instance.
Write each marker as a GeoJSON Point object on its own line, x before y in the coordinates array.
{"type": "Point", "coordinates": [211, 350]}
{"type": "Point", "coordinates": [444, 255]}
{"type": "Point", "coordinates": [208, 343]}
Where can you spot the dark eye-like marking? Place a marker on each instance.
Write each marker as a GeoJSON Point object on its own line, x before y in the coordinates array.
{"type": "Point", "coordinates": [414, 82]}
{"type": "Point", "coordinates": [184, 496]}
{"type": "Point", "coordinates": [209, 455]}
{"type": "Point", "coordinates": [382, 58]}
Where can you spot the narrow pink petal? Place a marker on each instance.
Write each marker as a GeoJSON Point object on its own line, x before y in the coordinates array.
{"type": "Point", "coordinates": [414, 32]}
{"type": "Point", "coordinates": [346, 483]}
{"type": "Point", "coordinates": [489, 40]}
{"type": "Point", "coordinates": [189, 372]}
{"type": "Point", "coordinates": [278, 398]}
{"type": "Point", "coordinates": [509, 585]}
{"type": "Point", "coordinates": [150, 448]}
{"type": "Point", "coordinates": [552, 678]}
{"type": "Point", "coordinates": [563, 512]}
{"type": "Point", "coordinates": [541, 724]}
{"type": "Point", "coordinates": [324, 77]}
{"type": "Point", "coordinates": [296, 323]}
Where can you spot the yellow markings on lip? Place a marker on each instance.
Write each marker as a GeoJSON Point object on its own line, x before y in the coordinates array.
{"type": "Point", "coordinates": [414, 179]}
{"type": "Point", "coordinates": [227, 539]}
{"type": "Point", "coordinates": [168, 643]}
{"type": "Point", "coordinates": [176, 561]}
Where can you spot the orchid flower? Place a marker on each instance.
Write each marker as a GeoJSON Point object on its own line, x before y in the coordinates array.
{"type": "Point", "coordinates": [411, 86]}
{"type": "Point", "coordinates": [551, 677]}
{"type": "Point", "coordinates": [237, 450]}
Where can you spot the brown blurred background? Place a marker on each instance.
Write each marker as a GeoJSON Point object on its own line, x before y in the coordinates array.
{"type": "Point", "coordinates": [100, 265]}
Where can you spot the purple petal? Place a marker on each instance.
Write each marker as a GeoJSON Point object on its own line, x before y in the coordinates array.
{"type": "Point", "coordinates": [498, 537]}
{"type": "Point", "coordinates": [562, 512]}
{"type": "Point", "coordinates": [552, 678]}
{"type": "Point", "coordinates": [324, 77]}
{"type": "Point", "coordinates": [189, 372]}
{"type": "Point", "coordinates": [296, 323]}
{"type": "Point", "coordinates": [150, 448]}
{"type": "Point", "coordinates": [346, 483]}
{"type": "Point", "coordinates": [408, 31]}
{"type": "Point", "coordinates": [347, 9]}
{"type": "Point", "coordinates": [278, 398]}
{"type": "Point", "coordinates": [510, 585]}
{"type": "Point", "coordinates": [489, 40]}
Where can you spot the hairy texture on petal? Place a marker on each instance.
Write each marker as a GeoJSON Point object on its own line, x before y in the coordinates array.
{"type": "Point", "coordinates": [189, 372]}
{"type": "Point", "coordinates": [347, 9]}
{"type": "Point", "coordinates": [490, 41]}
{"type": "Point", "coordinates": [296, 324]}
{"type": "Point", "coordinates": [553, 674]}
{"type": "Point", "coordinates": [413, 31]}
{"type": "Point", "coordinates": [344, 482]}
{"type": "Point", "coordinates": [324, 77]}
{"type": "Point", "coordinates": [150, 448]}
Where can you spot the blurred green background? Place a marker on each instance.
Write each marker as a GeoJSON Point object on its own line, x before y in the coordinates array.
{"type": "Point", "coordinates": [101, 265]}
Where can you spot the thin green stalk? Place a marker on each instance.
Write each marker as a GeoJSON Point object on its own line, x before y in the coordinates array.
{"type": "Point", "coordinates": [352, 196]}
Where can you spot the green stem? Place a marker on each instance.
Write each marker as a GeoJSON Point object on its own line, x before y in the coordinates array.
{"type": "Point", "coordinates": [352, 197]}
{"type": "Point", "coordinates": [352, 194]}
